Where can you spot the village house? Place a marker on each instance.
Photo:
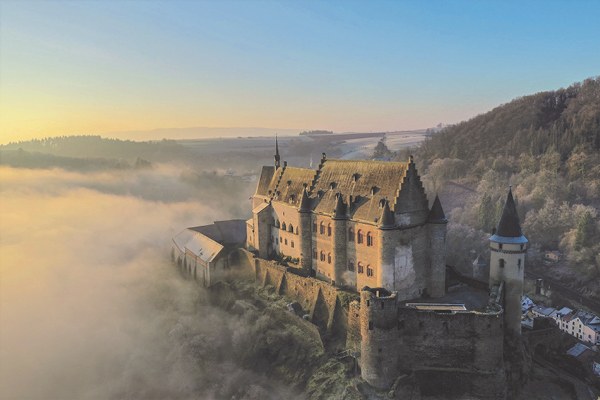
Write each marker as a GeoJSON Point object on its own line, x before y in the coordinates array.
{"type": "Point", "coordinates": [582, 325]}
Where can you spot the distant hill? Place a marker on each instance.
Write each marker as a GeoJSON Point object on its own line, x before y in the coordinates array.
{"type": "Point", "coordinates": [89, 146]}
{"type": "Point", "coordinates": [560, 120]}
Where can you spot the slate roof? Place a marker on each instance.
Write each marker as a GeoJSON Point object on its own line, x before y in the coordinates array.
{"type": "Point", "coordinates": [364, 186]}
{"type": "Point", "coordinates": [266, 175]}
{"type": "Point", "coordinates": [288, 183]}
{"type": "Point", "coordinates": [581, 352]}
{"type": "Point", "coordinates": [509, 225]}
{"type": "Point", "coordinates": [224, 232]}
{"type": "Point", "coordinates": [436, 214]}
{"type": "Point", "coordinates": [200, 245]}
{"type": "Point", "coordinates": [367, 182]}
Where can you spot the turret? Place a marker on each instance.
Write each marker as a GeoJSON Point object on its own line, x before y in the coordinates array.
{"type": "Point", "coordinates": [378, 328]}
{"type": "Point", "coordinates": [277, 157]}
{"type": "Point", "coordinates": [387, 235]}
{"type": "Point", "coordinates": [304, 232]}
{"type": "Point", "coordinates": [387, 221]}
{"type": "Point", "coordinates": [338, 222]}
{"type": "Point", "coordinates": [436, 223]}
{"type": "Point", "coordinates": [508, 247]}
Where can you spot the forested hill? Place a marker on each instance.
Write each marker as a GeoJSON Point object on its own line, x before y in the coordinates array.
{"type": "Point", "coordinates": [563, 121]}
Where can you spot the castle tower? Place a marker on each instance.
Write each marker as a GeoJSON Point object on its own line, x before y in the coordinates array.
{"type": "Point", "coordinates": [386, 248]}
{"type": "Point", "coordinates": [304, 228]}
{"type": "Point", "coordinates": [436, 222]}
{"type": "Point", "coordinates": [378, 329]}
{"type": "Point", "coordinates": [340, 261]}
{"type": "Point", "coordinates": [277, 158]}
{"type": "Point", "coordinates": [507, 263]}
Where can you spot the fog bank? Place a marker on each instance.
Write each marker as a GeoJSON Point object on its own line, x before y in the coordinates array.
{"type": "Point", "coordinates": [90, 306]}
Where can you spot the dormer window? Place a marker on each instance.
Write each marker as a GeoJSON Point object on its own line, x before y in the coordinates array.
{"type": "Point", "coordinates": [381, 203]}
{"type": "Point", "coordinates": [289, 183]}
{"type": "Point", "coordinates": [332, 185]}
{"type": "Point", "coordinates": [374, 190]}
{"type": "Point", "coordinates": [355, 177]}
{"type": "Point", "coordinates": [320, 193]}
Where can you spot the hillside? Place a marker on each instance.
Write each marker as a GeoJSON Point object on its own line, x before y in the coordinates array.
{"type": "Point", "coordinates": [561, 120]}
{"type": "Point", "coordinates": [547, 146]}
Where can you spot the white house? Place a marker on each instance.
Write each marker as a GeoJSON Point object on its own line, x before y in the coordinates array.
{"type": "Point", "coordinates": [582, 325]}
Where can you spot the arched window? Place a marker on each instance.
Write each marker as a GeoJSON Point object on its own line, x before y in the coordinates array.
{"type": "Point", "coordinates": [314, 226]}
{"type": "Point", "coordinates": [291, 228]}
{"type": "Point", "coordinates": [329, 230]}
{"type": "Point", "coordinates": [296, 231]}
{"type": "Point", "coordinates": [322, 228]}
{"type": "Point", "coordinates": [328, 258]}
{"type": "Point", "coordinates": [350, 265]}
{"type": "Point", "coordinates": [351, 235]}
{"type": "Point", "coordinates": [501, 263]}
{"type": "Point", "coordinates": [361, 268]}
{"type": "Point", "coordinates": [322, 256]}
{"type": "Point", "coordinates": [277, 223]}
{"type": "Point", "coordinates": [370, 271]}
{"type": "Point", "coordinates": [369, 239]}
{"type": "Point", "coordinates": [283, 226]}
{"type": "Point", "coordinates": [360, 237]}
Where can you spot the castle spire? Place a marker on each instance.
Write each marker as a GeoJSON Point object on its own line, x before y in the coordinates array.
{"type": "Point", "coordinates": [387, 220]}
{"type": "Point", "coordinates": [509, 225]}
{"type": "Point", "coordinates": [436, 215]}
{"type": "Point", "coordinates": [277, 158]}
{"type": "Point", "coordinates": [304, 202]}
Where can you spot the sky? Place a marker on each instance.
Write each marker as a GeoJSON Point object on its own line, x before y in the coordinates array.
{"type": "Point", "coordinates": [96, 67]}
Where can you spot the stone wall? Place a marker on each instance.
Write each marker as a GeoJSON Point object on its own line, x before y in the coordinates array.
{"type": "Point", "coordinates": [319, 299]}
{"type": "Point", "coordinates": [465, 345]}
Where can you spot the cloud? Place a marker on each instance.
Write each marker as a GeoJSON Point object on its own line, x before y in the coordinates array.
{"type": "Point", "coordinates": [90, 305]}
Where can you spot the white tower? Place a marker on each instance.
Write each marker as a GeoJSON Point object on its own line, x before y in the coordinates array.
{"type": "Point", "coordinates": [507, 263]}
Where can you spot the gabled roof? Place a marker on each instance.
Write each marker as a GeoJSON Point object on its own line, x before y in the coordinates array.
{"type": "Point", "coordinates": [224, 232]}
{"type": "Point", "coordinates": [509, 225]}
{"type": "Point", "coordinates": [266, 175]}
{"type": "Point", "coordinates": [198, 244]}
{"type": "Point", "coordinates": [367, 182]}
{"type": "Point", "coordinates": [288, 183]}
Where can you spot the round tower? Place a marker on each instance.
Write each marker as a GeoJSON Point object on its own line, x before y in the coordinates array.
{"type": "Point", "coordinates": [436, 221]}
{"type": "Point", "coordinates": [379, 337]}
{"type": "Point", "coordinates": [305, 233]}
{"type": "Point", "coordinates": [508, 247]}
{"type": "Point", "coordinates": [340, 261]}
{"type": "Point", "coordinates": [386, 248]}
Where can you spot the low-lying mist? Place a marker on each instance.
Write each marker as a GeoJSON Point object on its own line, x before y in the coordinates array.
{"type": "Point", "coordinates": [90, 305]}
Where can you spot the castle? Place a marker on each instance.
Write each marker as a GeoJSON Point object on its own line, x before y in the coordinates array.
{"type": "Point", "coordinates": [366, 227]}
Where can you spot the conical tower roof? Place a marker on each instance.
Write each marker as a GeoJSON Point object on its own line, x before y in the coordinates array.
{"type": "Point", "coordinates": [340, 208]}
{"type": "Point", "coordinates": [436, 215]}
{"type": "Point", "coordinates": [305, 205]}
{"type": "Point", "coordinates": [387, 220]}
{"type": "Point", "coordinates": [509, 225]}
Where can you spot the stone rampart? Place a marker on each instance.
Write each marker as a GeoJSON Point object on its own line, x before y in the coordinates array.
{"type": "Point", "coordinates": [319, 299]}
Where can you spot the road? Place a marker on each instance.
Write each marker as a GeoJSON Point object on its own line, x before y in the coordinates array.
{"type": "Point", "coordinates": [565, 291]}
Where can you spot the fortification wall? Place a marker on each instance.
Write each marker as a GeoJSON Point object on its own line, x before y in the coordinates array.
{"type": "Point", "coordinates": [430, 339]}
{"type": "Point", "coordinates": [318, 298]}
